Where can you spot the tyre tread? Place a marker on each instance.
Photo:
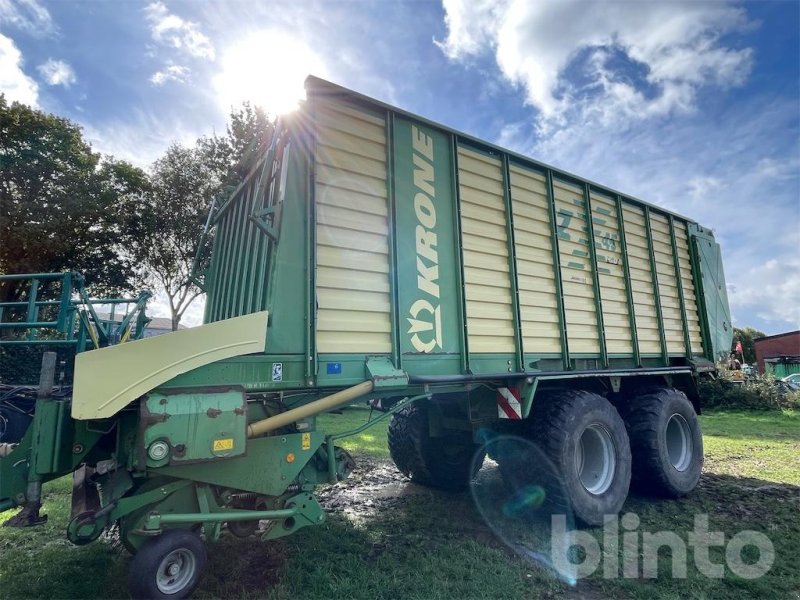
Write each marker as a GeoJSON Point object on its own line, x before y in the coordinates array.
{"type": "Point", "coordinates": [642, 419]}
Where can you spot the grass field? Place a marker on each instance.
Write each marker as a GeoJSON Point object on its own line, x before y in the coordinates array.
{"type": "Point", "coordinates": [387, 538]}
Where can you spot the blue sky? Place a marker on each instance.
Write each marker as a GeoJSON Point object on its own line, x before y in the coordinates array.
{"type": "Point", "coordinates": [694, 106]}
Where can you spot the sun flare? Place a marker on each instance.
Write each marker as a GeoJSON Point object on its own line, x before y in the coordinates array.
{"type": "Point", "coordinates": [268, 69]}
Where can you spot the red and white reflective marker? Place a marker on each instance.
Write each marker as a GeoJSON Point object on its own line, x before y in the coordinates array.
{"type": "Point", "coordinates": [508, 404]}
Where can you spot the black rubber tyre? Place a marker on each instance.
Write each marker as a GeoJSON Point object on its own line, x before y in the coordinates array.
{"type": "Point", "coordinates": [666, 443]}
{"type": "Point", "coordinates": [13, 425]}
{"type": "Point", "coordinates": [448, 462]}
{"type": "Point", "coordinates": [585, 439]}
{"type": "Point", "coordinates": [168, 566]}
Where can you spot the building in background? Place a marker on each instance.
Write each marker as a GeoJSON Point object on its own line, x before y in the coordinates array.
{"type": "Point", "coordinates": [156, 326]}
{"type": "Point", "coordinates": [778, 354]}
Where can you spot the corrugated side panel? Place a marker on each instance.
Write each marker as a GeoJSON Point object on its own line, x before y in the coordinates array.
{"type": "Point", "coordinates": [352, 231]}
{"type": "Point", "coordinates": [239, 257]}
{"type": "Point", "coordinates": [613, 291]}
{"type": "Point", "coordinates": [576, 269]}
{"type": "Point", "coordinates": [689, 293]}
{"type": "Point", "coordinates": [641, 280]}
{"type": "Point", "coordinates": [487, 282]}
{"type": "Point", "coordinates": [535, 271]}
{"type": "Point", "coordinates": [667, 285]}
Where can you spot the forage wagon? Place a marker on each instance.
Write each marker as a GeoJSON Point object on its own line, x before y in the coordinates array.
{"type": "Point", "coordinates": [374, 255]}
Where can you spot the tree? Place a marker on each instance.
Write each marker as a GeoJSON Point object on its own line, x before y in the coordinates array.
{"type": "Point", "coordinates": [171, 217]}
{"type": "Point", "coordinates": [184, 181]}
{"type": "Point", "coordinates": [62, 206]}
{"type": "Point", "coordinates": [747, 336]}
{"type": "Point", "coordinates": [234, 154]}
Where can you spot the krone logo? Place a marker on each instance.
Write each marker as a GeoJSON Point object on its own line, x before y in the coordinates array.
{"type": "Point", "coordinates": [425, 313]}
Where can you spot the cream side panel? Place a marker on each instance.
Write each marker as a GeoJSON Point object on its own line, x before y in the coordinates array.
{"type": "Point", "coordinates": [535, 265]}
{"type": "Point", "coordinates": [490, 315]}
{"type": "Point", "coordinates": [352, 231]}
{"type": "Point", "coordinates": [641, 280]}
{"type": "Point", "coordinates": [668, 285]}
{"type": "Point", "coordinates": [576, 269]}
{"type": "Point", "coordinates": [613, 291]}
{"type": "Point", "coordinates": [689, 292]}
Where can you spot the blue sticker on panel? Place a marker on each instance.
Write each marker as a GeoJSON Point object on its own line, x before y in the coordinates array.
{"type": "Point", "coordinates": [334, 368]}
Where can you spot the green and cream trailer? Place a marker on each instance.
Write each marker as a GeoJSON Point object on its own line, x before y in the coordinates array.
{"type": "Point", "coordinates": [372, 255]}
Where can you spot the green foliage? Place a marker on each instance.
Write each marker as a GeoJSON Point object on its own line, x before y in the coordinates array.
{"type": "Point", "coordinates": [171, 219]}
{"type": "Point", "coordinates": [62, 206]}
{"type": "Point", "coordinates": [173, 214]}
{"type": "Point", "coordinates": [748, 336]}
{"type": "Point", "coordinates": [762, 393]}
{"type": "Point", "coordinates": [22, 364]}
{"type": "Point", "coordinates": [234, 154]}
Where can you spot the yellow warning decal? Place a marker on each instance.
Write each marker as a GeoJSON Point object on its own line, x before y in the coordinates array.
{"type": "Point", "coordinates": [306, 441]}
{"type": "Point", "coordinates": [223, 445]}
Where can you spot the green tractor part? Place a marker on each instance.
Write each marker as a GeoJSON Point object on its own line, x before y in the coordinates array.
{"type": "Point", "coordinates": [370, 256]}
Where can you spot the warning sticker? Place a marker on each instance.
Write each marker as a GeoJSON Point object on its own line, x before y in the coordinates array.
{"type": "Point", "coordinates": [305, 441]}
{"type": "Point", "coordinates": [508, 404]}
{"type": "Point", "coordinates": [277, 371]}
{"type": "Point", "coordinates": [223, 445]}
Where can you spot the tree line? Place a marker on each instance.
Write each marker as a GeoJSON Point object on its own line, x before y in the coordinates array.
{"type": "Point", "coordinates": [64, 207]}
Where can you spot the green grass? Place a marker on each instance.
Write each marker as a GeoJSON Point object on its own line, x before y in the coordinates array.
{"type": "Point", "coordinates": [371, 442]}
{"type": "Point", "coordinates": [420, 543]}
{"type": "Point", "coordinates": [759, 444]}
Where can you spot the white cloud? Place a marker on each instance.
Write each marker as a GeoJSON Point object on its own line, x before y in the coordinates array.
{"type": "Point", "coordinates": [635, 59]}
{"type": "Point", "coordinates": [57, 72]}
{"type": "Point", "coordinates": [702, 187]}
{"type": "Point", "coordinates": [771, 293]}
{"type": "Point", "coordinates": [472, 26]}
{"type": "Point", "coordinates": [14, 83]}
{"type": "Point", "coordinates": [176, 73]}
{"type": "Point", "coordinates": [141, 138]}
{"type": "Point", "coordinates": [617, 88]}
{"type": "Point", "coordinates": [170, 29]}
{"type": "Point", "coordinates": [27, 15]}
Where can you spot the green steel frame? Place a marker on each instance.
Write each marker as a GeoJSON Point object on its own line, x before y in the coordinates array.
{"type": "Point", "coordinates": [628, 287]}
{"type": "Point", "coordinates": [460, 287]}
{"type": "Point", "coordinates": [512, 266]}
{"type": "Point", "coordinates": [705, 327]}
{"type": "Point", "coordinates": [656, 292]}
{"type": "Point", "coordinates": [562, 315]}
{"type": "Point", "coordinates": [686, 338]}
{"type": "Point", "coordinates": [598, 300]}
{"type": "Point", "coordinates": [76, 321]}
{"type": "Point", "coordinates": [397, 355]}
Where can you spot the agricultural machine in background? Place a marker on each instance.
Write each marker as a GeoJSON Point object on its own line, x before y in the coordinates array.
{"type": "Point", "coordinates": [374, 255]}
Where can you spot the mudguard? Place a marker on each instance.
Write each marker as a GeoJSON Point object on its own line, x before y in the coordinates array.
{"type": "Point", "coordinates": [108, 379]}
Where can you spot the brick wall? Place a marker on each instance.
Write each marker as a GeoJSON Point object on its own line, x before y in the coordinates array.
{"type": "Point", "coordinates": [783, 344]}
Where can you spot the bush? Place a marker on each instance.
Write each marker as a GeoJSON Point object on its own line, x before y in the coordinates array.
{"type": "Point", "coordinates": [20, 365]}
{"type": "Point", "coordinates": [762, 393]}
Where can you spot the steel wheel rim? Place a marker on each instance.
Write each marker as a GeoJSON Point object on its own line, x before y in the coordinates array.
{"type": "Point", "coordinates": [595, 459]}
{"type": "Point", "coordinates": [176, 571]}
{"type": "Point", "coordinates": [679, 442]}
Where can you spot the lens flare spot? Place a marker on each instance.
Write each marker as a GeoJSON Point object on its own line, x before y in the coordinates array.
{"type": "Point", "coordinates": [530, 498]}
